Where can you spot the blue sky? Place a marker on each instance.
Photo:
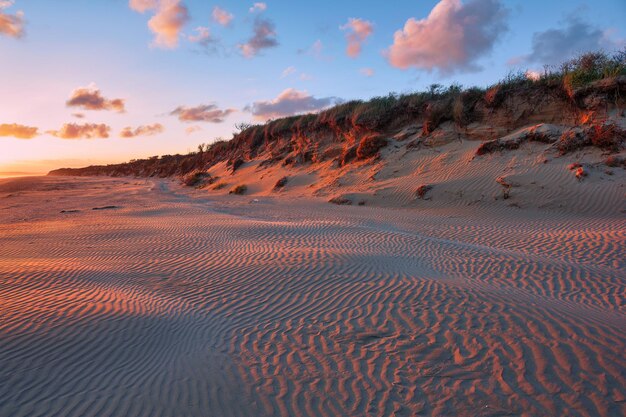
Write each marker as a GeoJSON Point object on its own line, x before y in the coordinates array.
{"type": "Point", "coordinates": [54, 51]}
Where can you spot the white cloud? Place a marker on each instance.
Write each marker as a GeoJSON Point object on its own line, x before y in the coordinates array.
{"type": "Point", "coordinates": [258, 7]}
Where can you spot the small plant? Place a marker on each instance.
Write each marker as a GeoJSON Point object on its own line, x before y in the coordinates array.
{"type": "Point", "coordinates": [281, 183]}
{"type": "Point", "coordinates": [236, 164]}
{"type": "Point", "coordinates": [340, 201]}
{"type": "Point", "coordinates": [580, 173]}
{"type": "Point", "coordinates": [239, 190]}
{"type": "Point", "coordinates": [615, 161]}
{"type": "Point", "coordinates": [370, 146]}
{"type": "Point", "coordinates": [607, 136]}
{"type": "Point", "coordinates": [422, 190]}
{"type": "Point", "coordinates": [194, 178]}
{"type": "Point", "coordinates": [506, 188]}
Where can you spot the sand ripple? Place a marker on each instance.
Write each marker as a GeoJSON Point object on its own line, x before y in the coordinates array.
{"type": "Point", "coordinates": [172, 306]}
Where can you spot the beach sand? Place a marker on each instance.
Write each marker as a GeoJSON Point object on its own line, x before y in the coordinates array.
{"type": "Point", "coordinates": [167, 301]}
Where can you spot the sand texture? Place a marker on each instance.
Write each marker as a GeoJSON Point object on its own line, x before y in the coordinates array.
{"type": "Point", "coordinates": [171, 301]}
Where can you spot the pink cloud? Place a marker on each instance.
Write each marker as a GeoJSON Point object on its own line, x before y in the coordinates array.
{"type": "Point", "coordinates": [202, 113]}
{"type": "Point", "coordinates": [84, 131]}
{"type": "Point", "coordinates": [11, 25]}
{"type": "Point", "coordinates": [368, 72]}
{"type": "Point", "coordinates": [192, 129]}
{"type": "Point", "coordinates": [221, 16]}
{"type": "Point", "coordinates": [288, 103]}
{"type": "Point", "coordinates": [167, 22]}
{"type": "Point", "coordinates": [90, 98]}
{"type": "Point", "coordinates": [147, 130]}
{"type": "Point", "coordinates": [358, 32]}
{"type": "Point", "coordinates": [18, 131]}
{"type": "Point", "coordinates": [142, 6]}
{"type": "Point", "coordinates": [452, 38]}
{"type": "Point", "coordinates": [264, 37]}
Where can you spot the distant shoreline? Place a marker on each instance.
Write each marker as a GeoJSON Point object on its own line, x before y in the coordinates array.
{"type": "Point", "coordinates": [16, 174]}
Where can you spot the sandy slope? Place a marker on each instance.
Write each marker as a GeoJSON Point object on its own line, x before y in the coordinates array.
{"type": "Point", "coordinates": [539, 178]}
{"type": "Point", "coordinates": [175, 304]}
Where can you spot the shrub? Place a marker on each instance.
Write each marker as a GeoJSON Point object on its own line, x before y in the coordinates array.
{"type": "Point", "coordinates": [348, 155]}
{"type": "Point", "coordinates": [571, 141]}
{"type": "Point", "coordinates": [370, 146]}
{"type": "Point", "coordinates": [464, 105]}
{"type": "Point", "coordinates": [615, 161]}
{"type": "Point", "coordinates": [340, 201]}
{"type": "Point", "coordinates": [239, 190]}
{"type": "Point", "coordinates": [194, 178]}
{"type": "Point", "coordinates": [219, 186]}
{"type": "Point", "coordinates": [376, 113]}
{"type": "Point", "coordinates": [607, 136]}
{"type": "Point", "coordinates": [422, 190]}
{"type": "Point", "coordinates": [236, 164]}
{"type": "Point", "coordinates": [281, 183]}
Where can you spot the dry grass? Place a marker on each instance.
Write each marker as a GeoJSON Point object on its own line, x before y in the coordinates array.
{"type": "Point", "coordinates": [609, 137]}
{"type": "Point", "coordinates": [370, 146]}
{"type": "Point", "coordinates": [340, 201]}
{"type": "Point", "coordinates": [239, 190]}
{"type": "Point", "coordinates": [615, 161]}
{"type": "Point", "coordinates": [281, 183]}
{"type": "Point", "coordinates": [422, 190]}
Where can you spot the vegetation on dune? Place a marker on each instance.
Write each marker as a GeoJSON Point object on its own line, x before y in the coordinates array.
{"type": "Point", "coordinates": [239, 189]}
{"type": "Point", "coordinates": [281, 183]}
{"type": "Point", "coordinates": [358, 126]}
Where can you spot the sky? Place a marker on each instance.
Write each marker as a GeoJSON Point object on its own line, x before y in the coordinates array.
{"type": "Point", "coordinates": [101, 81]}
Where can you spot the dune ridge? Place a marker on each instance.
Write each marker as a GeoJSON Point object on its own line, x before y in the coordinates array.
{"type": "Point", "coordinates": [175, 304]}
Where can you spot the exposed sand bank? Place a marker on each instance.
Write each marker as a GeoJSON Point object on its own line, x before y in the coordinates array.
{"type": "Point", "coordinates": [172, 302]}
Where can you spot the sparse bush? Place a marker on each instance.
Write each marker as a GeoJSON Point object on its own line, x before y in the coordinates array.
{"type": "Point", "coordinates": [239, 190]}
{"type": "Point", "coordinates": [281, 183]}
{"type": "Point", "coordinates": [422, 190]}
{"type": "Point", "coordinates": [370, 146]}
{"type": "Point", "coordinates": [375, 113]}
{"type": "Point", "coordinates": [348, 155]}
{"type": "Point", "coordinates": [514, 81]}
{"type": "Point", "coordinates": [219, 186]}
{"type": "Point", "coordinates": [590, 67]}
{"type": "Point", "coordinates": [340, 201]}
{"type": "Point", "coordinates": [496, 145]}
{"type": "Point", "coordinates": [236, 164]}
{"type": "Point", "coordinates": [191, 178]}
{"type": "Point", "coordinates": [607, 136]}
{"type": "Point", "coordinates": [464, 105]}
{"type": "Point", "coordinates": [615, 161]}
{"type": "Point", "coordinates": [571, 141]}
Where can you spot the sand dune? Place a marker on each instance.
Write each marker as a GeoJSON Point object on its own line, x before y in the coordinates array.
{"type": "Point", "coordinates": [177, 304]}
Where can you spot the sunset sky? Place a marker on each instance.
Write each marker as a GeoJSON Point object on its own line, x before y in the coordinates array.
{"type": "Point", "coordinates": [100, 81]}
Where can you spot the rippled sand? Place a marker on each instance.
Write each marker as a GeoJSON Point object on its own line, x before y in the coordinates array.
{"type": "Point", "coordinates": [163, 303]}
